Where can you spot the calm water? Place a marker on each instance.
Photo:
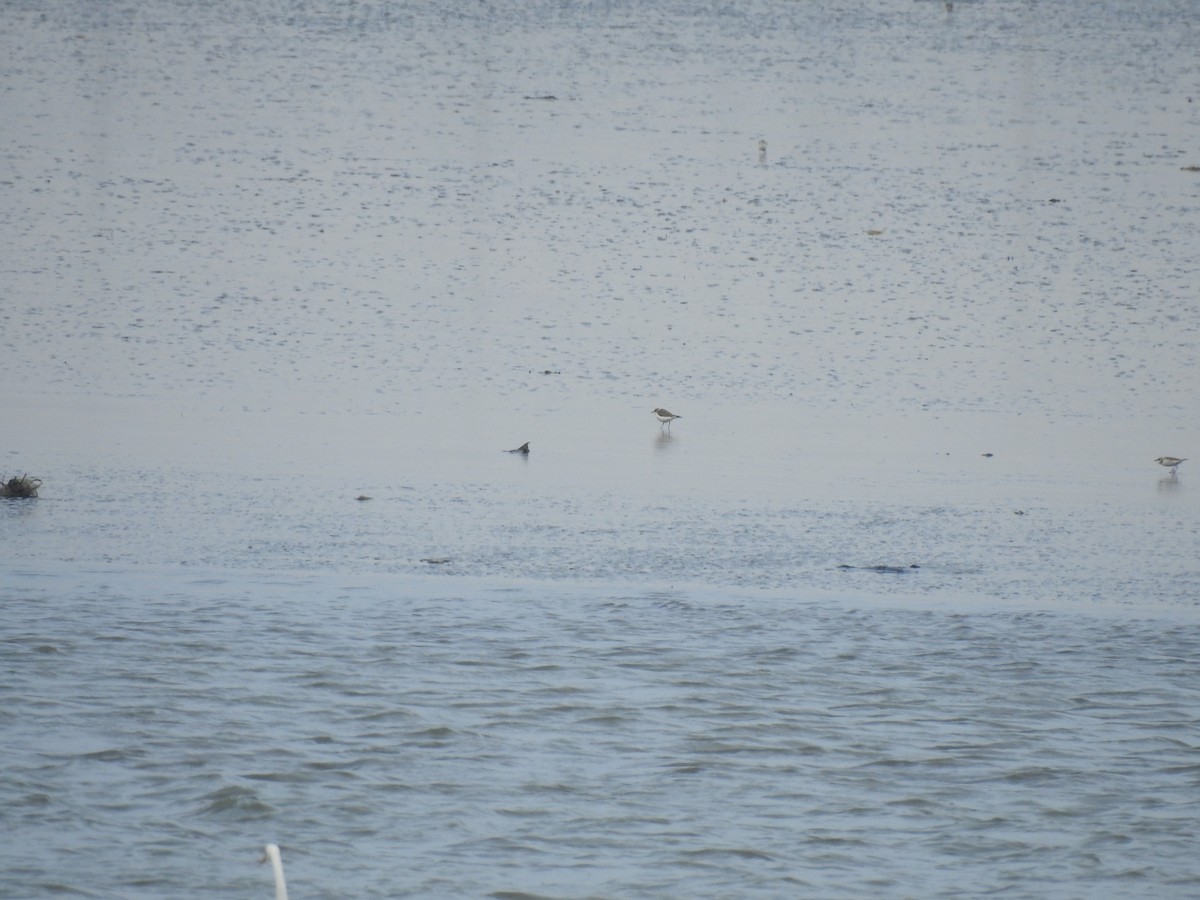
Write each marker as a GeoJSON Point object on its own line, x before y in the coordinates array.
{"type": "Point", "coordinates": [262, 259]}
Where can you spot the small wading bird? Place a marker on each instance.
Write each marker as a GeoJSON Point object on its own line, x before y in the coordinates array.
{"type": "Point", "coordinates": [272, 856]}
{"type": "Point", "coordinates": [524, 448]}
{"type": "Point", "coordinates": [1171, 462]}
{"type": "Point", "coordinates": [665, 417]}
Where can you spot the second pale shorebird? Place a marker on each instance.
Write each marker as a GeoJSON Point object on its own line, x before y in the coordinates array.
{"type": "Point", "coordinates": [1171, 462]}
{"type": "Point", "coordinates": [665, 417]}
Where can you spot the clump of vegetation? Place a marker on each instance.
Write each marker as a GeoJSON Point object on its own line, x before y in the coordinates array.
{"type": "Point", "coordinates": [20, 487]}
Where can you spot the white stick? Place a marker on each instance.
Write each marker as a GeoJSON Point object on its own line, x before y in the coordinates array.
{"type": "Point", "coordinates": [277, 866]}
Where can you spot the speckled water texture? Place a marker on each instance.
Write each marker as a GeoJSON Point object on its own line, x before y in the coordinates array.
{"type": "Point", "coordinates": [900, 606]}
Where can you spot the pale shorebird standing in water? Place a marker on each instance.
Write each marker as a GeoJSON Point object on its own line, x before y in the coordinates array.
{"type": "Point", "coordinates": [762, 152]}
{"type": "Point", "coordinates": [1171, 462]}
{"type": "Point", "coordinates": [665, 417]}
{"type": "Point", "coordinates": [272, 856]}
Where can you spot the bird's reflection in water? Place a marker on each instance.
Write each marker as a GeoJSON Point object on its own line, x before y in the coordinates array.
{"type": "Point", "coordinates": [1169, 483]}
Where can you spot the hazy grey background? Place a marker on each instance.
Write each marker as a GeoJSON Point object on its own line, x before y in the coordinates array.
{"type": "Point", "coordinates": [262, 257]}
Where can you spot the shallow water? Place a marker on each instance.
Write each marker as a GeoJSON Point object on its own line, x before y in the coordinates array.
{"type": "Point", "coordinates": [263, 260]}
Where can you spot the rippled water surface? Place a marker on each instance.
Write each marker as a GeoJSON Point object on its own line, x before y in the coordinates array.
{"type": "Point", "coordinates": [428, 737]}
{"type": "Point", "coordinates": [900, 606]}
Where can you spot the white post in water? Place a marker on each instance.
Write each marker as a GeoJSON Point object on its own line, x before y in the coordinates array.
{"type": "Point", "coordinates": [277, 866]}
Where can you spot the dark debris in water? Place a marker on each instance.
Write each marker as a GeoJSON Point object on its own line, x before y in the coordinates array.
{"type": "Point", "coordinates": [20, 487]}
{"type": "Point", "coordinates": [888, 570]}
